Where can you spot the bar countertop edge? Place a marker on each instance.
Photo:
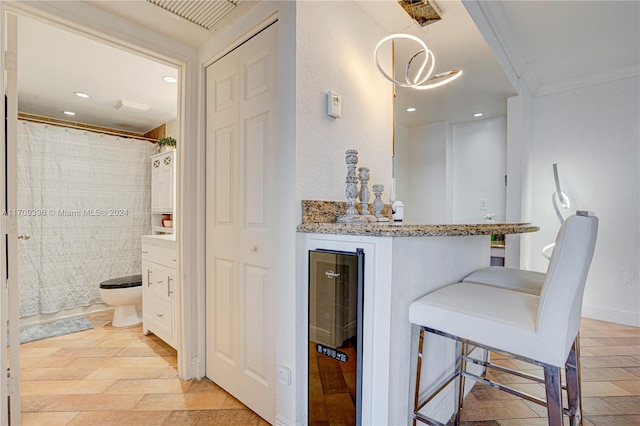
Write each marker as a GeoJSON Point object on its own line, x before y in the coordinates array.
{"type": "Point", "coordinates": [409, 230]}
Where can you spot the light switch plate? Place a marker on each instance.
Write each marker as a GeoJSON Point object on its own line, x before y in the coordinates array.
{"type": "Point", "coordinates": [334, 105]}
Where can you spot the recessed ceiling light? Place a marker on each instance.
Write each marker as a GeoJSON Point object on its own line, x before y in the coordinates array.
{"type": "Point", "coordinates": [81, 94]}
{"type": "Point", "coordinates": [478, 114]}
{"type": "Point", "coordinates": [68, 113]}
{"type": "Point", "coordinates": [170, 79]}
{"type": "Point", "coordinates": [411, 109]}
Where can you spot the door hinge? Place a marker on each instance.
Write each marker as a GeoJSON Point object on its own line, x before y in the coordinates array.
{"type": "Point", "coordinates": [9, 60]}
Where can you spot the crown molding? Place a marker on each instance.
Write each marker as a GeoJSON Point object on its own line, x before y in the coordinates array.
{"type": "Point", "coordinates": [494, 27]}
{"type": "Point", "coordinates": [590, 80]}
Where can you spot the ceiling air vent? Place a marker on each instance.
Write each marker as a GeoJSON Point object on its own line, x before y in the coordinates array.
{"type": "Point", "coordinates": [205, 14]}
{"type": "Point", "coordinates": [424, 12]}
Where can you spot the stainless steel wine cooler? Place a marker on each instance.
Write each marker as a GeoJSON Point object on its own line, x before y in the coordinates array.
{"type": "Point", "coordinates": [336, 281]}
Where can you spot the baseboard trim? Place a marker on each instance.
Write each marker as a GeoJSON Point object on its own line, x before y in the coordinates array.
{"type": "Point", "coordinates": [626, 318]}
{"type": "Point", "coordinates": [283, 421]}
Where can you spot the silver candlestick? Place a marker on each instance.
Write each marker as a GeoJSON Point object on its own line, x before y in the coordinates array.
{"type": "Point", "coordinates": [363, 175]}
{"type": "Point", "coordinates": [351, 191]}
{"type": "Point", "coordinates": [364, 194]}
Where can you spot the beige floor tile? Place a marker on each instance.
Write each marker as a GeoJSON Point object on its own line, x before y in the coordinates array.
{"type": "Point", "coordinates": [144, 351]}
{"type": "Point", "coordinates": [46, 362]}
{"type": "Point", "coordinates": [214, 417]}
{"type": "Point", "coordinates": [233, 404]}
{"type": "Point", "coordinates": [205, 385]}
{"type": "Point", "coordinates": [604, 374]}
{"type": "Point", "coordinates": [490, 410]}
{"type": "Point", "coordinates": [144, 386]}
{"type": "Point", "coordinates": [27, 351]}
{"type": "Point", "coordinates": [86, 352]}
{"type": "Point", "coordinates": [626, 404]}
{"type": "Point", "coordinates": [29, 403]}
{"type": "Point", "coordinates": [186, 401]}
{"type": "Point", "coordinates": [116, 373]}
{"type": "Point", "coordinates": [122, 343]}
{"type": "Point", "coordinates": [611, 350]}
{"type": "Point", "coordinates": [159, 361]}
{"type": "Point", "coordinates": [633, 386]}
{"type": "Point", "coordinates": [602, 389]}
{"type": "Point", "coordinates": [46, 419]}
{"type": "Point", "coordinates": [598, 407]}
{"type": "Point", "coordinates": [92, 402]}
{"type": "Point", "coordinates": [127, 418]}
{"type": "Point", "coordinates": [62, 387]}
{"type": "Point", "coordinates": [609, 362]}
{"type": "Point", "coordinates": [587, 343]}
{"type": "Point", "coordinates": [109, 362]}
{"type": "Point", "coordinates": [48, 373]}
{"type": "Point", "coordinates": [614, 420]}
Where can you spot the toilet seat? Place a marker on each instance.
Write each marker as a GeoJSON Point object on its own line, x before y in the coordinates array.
{"type": "Point", "coordinates": [123, 282]}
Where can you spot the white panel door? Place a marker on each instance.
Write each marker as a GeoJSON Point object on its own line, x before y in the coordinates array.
{"type": "Point", "coordinates": [240, 203]}
{"type": "Point", "coordinates": [9, 301]}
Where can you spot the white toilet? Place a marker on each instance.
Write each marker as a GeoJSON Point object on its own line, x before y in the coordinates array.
{"type": "Point", "coordinates": [123, 293]}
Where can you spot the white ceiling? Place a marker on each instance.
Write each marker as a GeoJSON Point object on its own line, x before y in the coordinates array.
{"type": "Point", "coordinates": [54, 63]}
{"type": "Point", "coordinates": [547, 43]}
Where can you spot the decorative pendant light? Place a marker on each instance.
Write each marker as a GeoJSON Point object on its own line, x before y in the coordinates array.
{"type": "Point", "coordinates": [422, 79]}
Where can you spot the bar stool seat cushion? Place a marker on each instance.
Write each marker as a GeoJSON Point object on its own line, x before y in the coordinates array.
{"type": "Point", "coordinates": [509, 278]}
{"type": "Point", "coordinates": [493, 316]}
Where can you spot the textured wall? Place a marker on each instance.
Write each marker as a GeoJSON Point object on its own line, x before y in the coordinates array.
{"type": "Point", "coordinates": [335, 44]}
{"type": "Point", "coordinates": [592, 133]}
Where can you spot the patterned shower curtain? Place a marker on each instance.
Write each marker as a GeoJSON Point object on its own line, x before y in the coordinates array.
{"type": "Point", "coordinates": [84, 198]}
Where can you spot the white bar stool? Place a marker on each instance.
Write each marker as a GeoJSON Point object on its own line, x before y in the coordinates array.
{"type": "Point", "coordinates": [537, 328]}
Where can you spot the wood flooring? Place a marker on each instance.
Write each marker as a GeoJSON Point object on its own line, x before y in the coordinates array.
{"type": "Point", "coordinates": [118, 376]}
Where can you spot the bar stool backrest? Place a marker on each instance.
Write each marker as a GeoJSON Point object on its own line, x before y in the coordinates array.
{"type": "Point", "coordinates": [560, 305]}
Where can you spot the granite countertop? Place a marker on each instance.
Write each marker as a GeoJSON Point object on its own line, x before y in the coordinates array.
{"type": "Point", "coordinates": [407, 230]}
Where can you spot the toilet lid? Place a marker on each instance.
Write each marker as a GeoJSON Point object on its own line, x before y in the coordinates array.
{"type": "Point", "coordinates": [123, 282]}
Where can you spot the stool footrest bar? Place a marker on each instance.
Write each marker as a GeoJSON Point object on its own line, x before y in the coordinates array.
{"type": "Point", "coordinates": [443, 384]}
{"type": "Point", "coordinates": [504, 369]}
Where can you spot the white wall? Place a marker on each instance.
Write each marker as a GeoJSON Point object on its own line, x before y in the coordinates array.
{"type": "Point", "coordinates": [592, 133]}
{"type": "Point", "coordinates": [335, 45]}
{"type": "Point", "coordinates": [444, 170]}
{"type": "Point", "coordinates": [401, 163]}
{"type": "Point", "coordinates": [479, 165]}
{"type": "Point", "coordinates": [427, 165]}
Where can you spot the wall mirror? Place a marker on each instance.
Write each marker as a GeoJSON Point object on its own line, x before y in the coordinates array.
{"type": "Point", "coordinates": [450, 165]}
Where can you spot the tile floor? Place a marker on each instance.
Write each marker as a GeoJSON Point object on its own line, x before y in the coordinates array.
{"type": "Point", "coordinates": [118, 376]}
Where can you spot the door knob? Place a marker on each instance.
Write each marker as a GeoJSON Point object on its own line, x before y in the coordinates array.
{"type": "Point", "coordinates": [24, 236]}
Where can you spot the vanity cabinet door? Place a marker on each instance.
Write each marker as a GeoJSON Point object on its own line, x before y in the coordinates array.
{"type": "Point", "coordinates": [159, 301]}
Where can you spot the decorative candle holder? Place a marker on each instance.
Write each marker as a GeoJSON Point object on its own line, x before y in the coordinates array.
{"type": "Point", "coordinates": [378, 204]}
{"type": "Point", "coordinates": [351, 190]}
{"type": "Point", "coordinates": [363, 175]}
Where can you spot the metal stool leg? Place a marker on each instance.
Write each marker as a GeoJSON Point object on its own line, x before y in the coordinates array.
{"type": "Point", "coordinates": [553, 388]}
{"type": "Point", "coordinates": [416, 400]}
{"type": "Point", "coordinates": [574, 396]}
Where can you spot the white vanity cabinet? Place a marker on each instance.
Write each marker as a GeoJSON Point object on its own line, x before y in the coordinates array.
{"type": "Point", "coordinates": [159, 288]}
{"type": "Point", "coordinates": [163, 183]}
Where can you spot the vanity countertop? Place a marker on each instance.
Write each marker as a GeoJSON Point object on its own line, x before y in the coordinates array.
{"type": "Point", "coordinates": [166, 241]}
{"type": "Point", "coordinates": [409, 230]}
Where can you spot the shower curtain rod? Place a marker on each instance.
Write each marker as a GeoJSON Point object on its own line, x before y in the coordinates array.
{"type": "Point", "coordinates": [79, 126]}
